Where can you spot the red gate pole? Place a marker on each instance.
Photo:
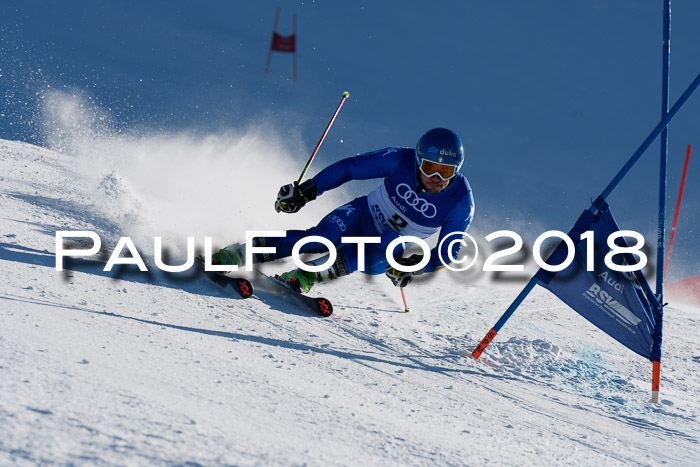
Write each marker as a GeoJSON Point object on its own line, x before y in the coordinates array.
{"type": "Point", "coordinates": [678, 208]}
{"type": "Point", "coordinates": [295, 48]}
{"type": "Point", "coordinates": [274, 30]}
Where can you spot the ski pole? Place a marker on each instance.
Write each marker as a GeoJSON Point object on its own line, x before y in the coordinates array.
{"type": "Point", "coordinates": [406, 309]}
{"type": "Point", "coordinates": [323, 136]}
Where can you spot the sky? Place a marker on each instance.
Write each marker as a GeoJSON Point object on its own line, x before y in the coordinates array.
{"type": "Point", "coordinates": [550, 97]}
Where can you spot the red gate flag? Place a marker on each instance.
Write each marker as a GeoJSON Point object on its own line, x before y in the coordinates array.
{"type": "Point", "coordinates": [284, 44]}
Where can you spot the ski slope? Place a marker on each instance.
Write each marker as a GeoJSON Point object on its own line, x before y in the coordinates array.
{"type": "Point", "coordinates": [148, 369]}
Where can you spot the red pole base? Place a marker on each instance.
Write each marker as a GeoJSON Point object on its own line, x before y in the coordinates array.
{"type": "Point", "coordinates": [655, 381]}
{"type": "Point", "coordinates": [484, 343]}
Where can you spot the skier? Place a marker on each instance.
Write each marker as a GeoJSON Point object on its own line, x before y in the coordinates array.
{"type": "Point", "coordinates": [422, 193]}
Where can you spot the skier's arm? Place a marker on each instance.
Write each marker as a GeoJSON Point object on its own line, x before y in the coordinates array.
{"type": "Point", "coordinates": [458, 221]}
{"type": "Point", "coordinates": [377, 164]}
{"type": "Point", "coordinates": [292, 197]}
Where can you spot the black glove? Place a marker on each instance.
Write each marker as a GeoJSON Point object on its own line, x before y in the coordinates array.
{"type": "Point", "coordinates": [400, 278]}
{"type": "Point", "coordinates": [293, 197]}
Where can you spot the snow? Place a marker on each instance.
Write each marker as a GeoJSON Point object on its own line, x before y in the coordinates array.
{"type": "Point", "coordinates": [151, 369]}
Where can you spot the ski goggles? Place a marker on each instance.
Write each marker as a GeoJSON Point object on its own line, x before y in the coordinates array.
{"type": "Point", "coordinates": [444, 171]}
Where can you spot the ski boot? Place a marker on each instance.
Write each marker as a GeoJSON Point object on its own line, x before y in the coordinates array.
{"type": "Point", "coordinates": [232, 255]}
{"type": "Point", "coordinates": [235, 254]}
{"type": "Point", "coordinates": [300, 280]}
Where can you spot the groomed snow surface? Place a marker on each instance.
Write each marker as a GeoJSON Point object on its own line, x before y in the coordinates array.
{"type": "Point", "coordinates": [153, 370]}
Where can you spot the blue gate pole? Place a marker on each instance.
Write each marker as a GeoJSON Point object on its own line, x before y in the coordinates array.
{"type": "Point", "coordinates": [660, 249]}
{"type": "Point", "coordinates": [479, 349]}
{"type": "Point", "coordinates": [647, 142]}
{"type": "Point", "coordinates": [665, 77]}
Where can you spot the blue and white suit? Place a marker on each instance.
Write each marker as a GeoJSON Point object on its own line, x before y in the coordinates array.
{"type": "Point", "coordinates": [399, 206]}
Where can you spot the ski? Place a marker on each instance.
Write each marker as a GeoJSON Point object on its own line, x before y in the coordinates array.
{"type": "Point", "coordinates": [318, 305]}
{"type": "Point", "coordinates": [243, 287]}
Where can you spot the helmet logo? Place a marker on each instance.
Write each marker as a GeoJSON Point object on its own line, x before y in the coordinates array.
{"type": "Point", "coordinates": [433, 150]}
{"type": "Point", "coordinates": [447, 152]}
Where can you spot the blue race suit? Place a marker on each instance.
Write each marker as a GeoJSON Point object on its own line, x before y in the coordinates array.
{"type": "Point", "coordinates": [398, 207]}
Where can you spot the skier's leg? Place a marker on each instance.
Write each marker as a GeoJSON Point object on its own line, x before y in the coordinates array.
{"type": "Point", "coordinates": [351, 220]}
{"type": "Point", "coordinates": [345, 220]}
{"type": "Point", "coordinates": [346, 262]}
{"type": "Point", "coordinates": [375, 254]}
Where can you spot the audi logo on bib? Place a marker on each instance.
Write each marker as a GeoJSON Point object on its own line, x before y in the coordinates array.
{"type": "Point", "coordinates": [419, 204]}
